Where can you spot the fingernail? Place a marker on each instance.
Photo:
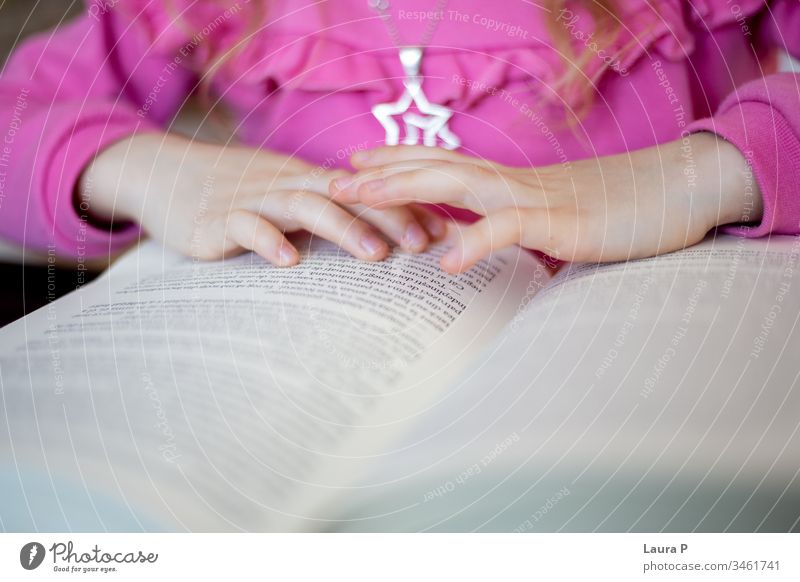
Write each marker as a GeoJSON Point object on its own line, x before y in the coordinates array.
{"type": "Point", "coordinates": [451, 261]}
{"type": "Point", "coordinates": [374, 185]}
{"type": "Point", "coordinates": [287, 256]}
{"type": "Point", "coordinates": [373, 245]}
{"type": "Point", "coordinates": [414, 239]}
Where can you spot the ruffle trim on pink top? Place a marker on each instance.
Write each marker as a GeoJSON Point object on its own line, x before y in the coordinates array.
{"type": "Point", "coordinates": [292, 54]}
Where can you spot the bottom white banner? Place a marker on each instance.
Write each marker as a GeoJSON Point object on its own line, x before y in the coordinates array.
{"type": "Point", "coordinates": [388, 557]}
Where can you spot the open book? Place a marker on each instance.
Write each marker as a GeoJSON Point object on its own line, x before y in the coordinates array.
{"type": "Point", "coordinates": [172, 394]}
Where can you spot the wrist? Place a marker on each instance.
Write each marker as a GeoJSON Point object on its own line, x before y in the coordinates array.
{"type": "Point", "coordinates": [728, 183]}
{"type": "Point", "coordinates": [111, 186]}
{"type": "Point", "coordinates": [100, 187]}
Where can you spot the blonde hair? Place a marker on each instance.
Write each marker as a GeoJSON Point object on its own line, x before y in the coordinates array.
{"type": "Point", "coordinates": [576, 84]}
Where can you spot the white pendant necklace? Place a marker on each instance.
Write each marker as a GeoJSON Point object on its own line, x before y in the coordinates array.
{"type": "Point", "coordinates": [429, 119]}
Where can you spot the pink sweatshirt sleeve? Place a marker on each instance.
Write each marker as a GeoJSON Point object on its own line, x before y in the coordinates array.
{"type": "Point", "coordinates": [762, 119]}
{"type": "Point", "coordinates": [65, 96]}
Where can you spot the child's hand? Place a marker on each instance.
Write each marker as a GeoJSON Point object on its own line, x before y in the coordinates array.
{"type": "Point", "coordinates": [641, 204]}
{"type": "Point", "coordinates": [210, 201]}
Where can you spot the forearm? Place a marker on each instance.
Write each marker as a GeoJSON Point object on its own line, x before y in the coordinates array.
{"type": "Point", "coordinates": [674, 192]}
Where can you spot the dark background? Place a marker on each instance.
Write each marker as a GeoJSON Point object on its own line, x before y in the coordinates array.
{"type": "Point", "coordinates": [21, 18]}
{"type": "Point", "coordinates": [25, 288]}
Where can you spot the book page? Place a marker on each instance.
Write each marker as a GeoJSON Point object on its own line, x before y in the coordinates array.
{"type": "Point", "coordinates": [658, 394]}
{"type": "Point", "coordinates": [175, 394]}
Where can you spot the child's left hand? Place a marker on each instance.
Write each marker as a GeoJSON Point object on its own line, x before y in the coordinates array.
{"type": "Point", "coordinates": [625, 206]}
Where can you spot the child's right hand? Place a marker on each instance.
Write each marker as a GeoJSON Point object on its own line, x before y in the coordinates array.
{"type": "Point", "coordinates": [210, 201]}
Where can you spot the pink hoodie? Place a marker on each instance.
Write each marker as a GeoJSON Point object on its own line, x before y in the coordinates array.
{"type": "Point", "coordinates": [305, 84]}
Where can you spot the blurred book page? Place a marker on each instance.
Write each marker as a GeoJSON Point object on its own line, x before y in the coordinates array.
{"type": "Point", "coordinates": [219, 395]}
{"type": "Point", "coordinates": [647, 395]}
